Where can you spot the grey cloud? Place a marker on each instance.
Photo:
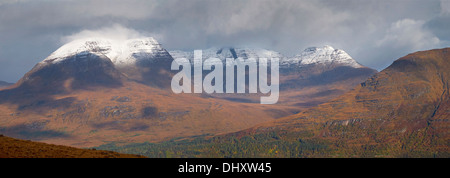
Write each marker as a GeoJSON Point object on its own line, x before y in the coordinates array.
{"type": "Point", "coordinates": [440, 26]}
{"type": "Point", "coordinates": [365, 29]}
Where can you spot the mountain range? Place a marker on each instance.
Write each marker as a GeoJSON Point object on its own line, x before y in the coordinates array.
{"type": "Point", "coordinates": [96, 91]}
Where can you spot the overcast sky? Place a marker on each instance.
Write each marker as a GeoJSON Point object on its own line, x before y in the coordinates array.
{"type": "Point", "coordinates": [374, 32]}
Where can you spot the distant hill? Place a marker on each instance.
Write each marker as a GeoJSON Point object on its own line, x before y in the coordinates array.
{"type": "Point", "coordinates": [5, 84]}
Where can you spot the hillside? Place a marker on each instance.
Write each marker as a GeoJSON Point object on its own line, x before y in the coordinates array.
{"type": "Point", "coordinates": [401, 110]}
{"type": "Point", "coordinates": [15, 148]}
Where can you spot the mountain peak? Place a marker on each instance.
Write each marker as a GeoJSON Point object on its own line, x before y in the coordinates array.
{"type": "Point", "coordinates": [324, 48]}
{"type": "Point", "coordinates": [81, 47]}
{"type": "Point", "coordinates": [120, 52]}
{"type": "Point", "coordinates": [324, 55]}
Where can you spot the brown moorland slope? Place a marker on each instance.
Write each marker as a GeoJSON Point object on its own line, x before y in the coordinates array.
{"type": "Point", "coordinates": [131, 113]}
{"type": "Point", "coordinates": [15, 148]}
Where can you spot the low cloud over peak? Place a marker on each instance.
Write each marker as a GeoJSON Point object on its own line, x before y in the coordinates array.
{"type": "Point", "coordinates": [115, 32]}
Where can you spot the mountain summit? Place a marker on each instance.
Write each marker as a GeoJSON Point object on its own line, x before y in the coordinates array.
{"type": "Point", "coordinates": [98, 59]}
{"type": "Point", "coordinates": [323, 55]}
{"type": "Point", "coordinates": [120, 52]}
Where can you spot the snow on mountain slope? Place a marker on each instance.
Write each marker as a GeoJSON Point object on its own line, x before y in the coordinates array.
{"type": "Point", "coordinates": [322, 55]}
{"type": "Point", "coordinates": [139, 49]}
{"type": "Point", "coordinates": [257, 53]}
{"type": "Point", "coordinates": [181, 54]}
{"type": "Point", "coordinates": [119, 52]}
{"type": "Point", "coordinates": [224, 53]}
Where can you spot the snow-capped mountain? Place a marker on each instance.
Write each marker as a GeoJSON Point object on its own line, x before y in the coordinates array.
{"type": "Point", "coordinates": [125, 52]}
{"type": "Point", "coordinates": [104, 61]}
{"type": "Point", "coordinates": [314, 55]}
{"type": "Point", "coordinates": [322, 55]}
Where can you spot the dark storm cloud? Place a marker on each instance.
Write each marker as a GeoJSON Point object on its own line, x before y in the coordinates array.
{"type": "Point", "coordinates": [374, 32]}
